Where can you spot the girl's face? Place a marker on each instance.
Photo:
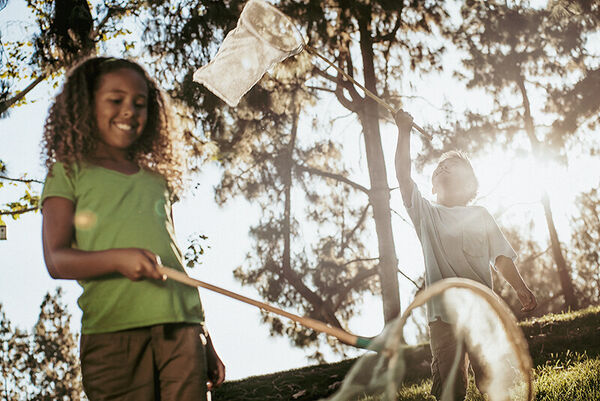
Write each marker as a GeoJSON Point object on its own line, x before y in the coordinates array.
{"type": "Point", "coordinates": [121, 108]}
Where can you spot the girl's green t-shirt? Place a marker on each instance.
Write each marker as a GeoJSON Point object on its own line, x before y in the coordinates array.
{"type": "Point", "coordinates": [115, 210]}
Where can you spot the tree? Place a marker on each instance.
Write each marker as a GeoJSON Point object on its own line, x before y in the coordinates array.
{"type": "Point", "coordinates": [55, 370]}
{"type": "Point", "coordinates": [44, 364]}
{"type": "Point", "coordinates": [268, 156]}
{"type": "Point", "coordinates": [66, 32]}
{"type": "Point", "coordinates": [13, 357]}
{"type": "Point", "coordinates": [585, 249]}
{"type": "Point", "coordinates": [516, 54]}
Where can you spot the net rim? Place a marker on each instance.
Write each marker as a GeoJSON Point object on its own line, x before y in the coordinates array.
{"type": "Point", "coordinates": [496, 303]}
{"type": "Point", "coordinates": [244, 19]}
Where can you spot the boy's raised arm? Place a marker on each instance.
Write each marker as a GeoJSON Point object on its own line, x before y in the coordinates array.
{"type": "Point", "coordinates": [403, 163]}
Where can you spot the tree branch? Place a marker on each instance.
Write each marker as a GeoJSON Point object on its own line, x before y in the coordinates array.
{"type": "Point", "coordinates": [359, 277]}
{"type": "Point", "coordinates": [322, 307]}
{"type": "Point", "coordinates": [390, 35]}
{"type": "Point", "coordinates": [112, 11]}
{"type": "Point", "coordinates": [360, 221]}
{"type": "Point", "coordinates": [320, 88]}
{"type": "Point", "coordinates": [334, 176]}
{"type": "Point", "coordinates": [10, 102]}
{"type": "Point", "coordinates": [535, 256]}
{"type": "Point", "coordinates": [16, 212]}
{"type": "Point", "coordinates": [20, 180]}
{"type": "Point", "coordinates": [360, 260]}
{"type": "Point", "coordinates": [347, 103]}
{"type": "Point", "coordinates": [409, 279]}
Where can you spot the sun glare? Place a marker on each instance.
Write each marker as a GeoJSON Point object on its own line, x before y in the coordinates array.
{"type": "Point", "coordinates": [515, 185]}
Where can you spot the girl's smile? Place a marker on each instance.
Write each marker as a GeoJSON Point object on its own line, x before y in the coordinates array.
{"type": "Point", "coordinates": [121, 110]}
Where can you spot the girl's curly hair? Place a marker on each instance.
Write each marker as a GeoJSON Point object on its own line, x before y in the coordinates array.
{"type": "Point", "coordinates": [71, 134]}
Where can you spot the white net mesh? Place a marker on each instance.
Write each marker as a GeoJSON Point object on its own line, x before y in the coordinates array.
{"type": "Point", "coordinates": [263, 37]}
{"type": "Point", "coordinates": [483, 326]}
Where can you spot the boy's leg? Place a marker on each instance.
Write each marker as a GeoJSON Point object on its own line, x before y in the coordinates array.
{"type": "Point", "coordinates": [118, 366]}
{"type": "Point", "coordinates": [181, 361]}
{"type": "Point", "coordinates": [443, 350]}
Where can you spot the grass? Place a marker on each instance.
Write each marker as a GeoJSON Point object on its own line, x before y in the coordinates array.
{"type": "Point", "coordinates": [565, 350]}
{"type": "Point", "coordinates": [576, 378]}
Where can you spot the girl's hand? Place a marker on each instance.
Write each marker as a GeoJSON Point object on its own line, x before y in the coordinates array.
{"type": "Point", "coordinates": [137, 264]}
{"type": "Point", "coordinates": [214, 366]}
{"type": "Point", "coordinates": [216, 373]}
{"type": "Point", "coordinates": [404, 121]}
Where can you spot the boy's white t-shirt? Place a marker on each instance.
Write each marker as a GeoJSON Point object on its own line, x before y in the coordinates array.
{"type": "Point", "coordinates": [459, 241]}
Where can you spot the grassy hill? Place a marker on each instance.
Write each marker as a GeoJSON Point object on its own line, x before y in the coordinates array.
{"type": "Point", "coordinates": [565, 349]}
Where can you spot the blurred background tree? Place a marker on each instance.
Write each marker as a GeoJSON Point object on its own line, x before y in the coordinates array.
{"type": "Point", "coordinates": [585, 249]}
{"type": "Point", "coordinates": [43, 364]}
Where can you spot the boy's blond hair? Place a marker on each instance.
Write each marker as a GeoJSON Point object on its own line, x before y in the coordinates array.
{"type": "Point", "coordinates": [457, 154]}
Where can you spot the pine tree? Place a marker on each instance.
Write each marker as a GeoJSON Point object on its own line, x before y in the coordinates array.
{"type": "Point", "coordinates": [55, 372]}
{"type": "Point", "coordinates": [14, 351]}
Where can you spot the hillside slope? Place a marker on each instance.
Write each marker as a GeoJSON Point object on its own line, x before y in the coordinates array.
{"type": "Point", "coordinates": [565, 349]}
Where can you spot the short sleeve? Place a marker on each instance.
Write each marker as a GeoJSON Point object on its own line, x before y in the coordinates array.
{"type": "Point", "coordinates": [498, 244]}
{"type": "Point", "coordinates": [59, 183]}
{"type": "Point", "coordinates": [417, 206]}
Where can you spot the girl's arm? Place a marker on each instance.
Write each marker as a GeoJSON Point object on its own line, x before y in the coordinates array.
{"type": "Point", "coordinates": [64, 262]}
{"type": "Point", "coordinates": [403, 162]}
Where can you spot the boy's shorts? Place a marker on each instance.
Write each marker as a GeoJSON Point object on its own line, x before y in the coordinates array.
{"type": "Point", "coordinates": [165, 362]}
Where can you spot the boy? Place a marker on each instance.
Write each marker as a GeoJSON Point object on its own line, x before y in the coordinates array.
{"type": "Point", "coordinates": [457, 241]}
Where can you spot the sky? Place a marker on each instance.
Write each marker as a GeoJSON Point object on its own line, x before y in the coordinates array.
{"type": "Point", "coordinates": [240, 338]}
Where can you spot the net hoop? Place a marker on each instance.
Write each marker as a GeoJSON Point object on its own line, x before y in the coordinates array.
{"type": "Point", "coordinates": [287, 39]}
{"type": "Point", "coordinates": [512, 330]}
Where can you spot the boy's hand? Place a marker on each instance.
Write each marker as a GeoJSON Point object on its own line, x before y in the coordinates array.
{"type": "Point", "coordinates": [527, 300]}
{"type": "Point", "coordinates": [404, 121]}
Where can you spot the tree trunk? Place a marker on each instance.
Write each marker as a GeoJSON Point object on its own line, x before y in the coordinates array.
{"type": "Point", "coordinates": [561, 265]}
{"type": "Point", "coordinates": [379, 194]}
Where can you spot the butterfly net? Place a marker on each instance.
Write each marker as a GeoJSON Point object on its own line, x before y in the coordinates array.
{"type": "Point", "coordinates": [263, 37]}
{"type": "Point", "coordinates": [482, 325]}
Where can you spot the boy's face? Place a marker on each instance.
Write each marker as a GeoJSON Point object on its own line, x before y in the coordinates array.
{"type": "Point", "coordinates": [121, 108]}
{"type": "Point", "coordinates": [452, 179]}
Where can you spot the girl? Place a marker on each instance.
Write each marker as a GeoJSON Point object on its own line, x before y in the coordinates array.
{"type": "Point", "coordinates": [107, 221]}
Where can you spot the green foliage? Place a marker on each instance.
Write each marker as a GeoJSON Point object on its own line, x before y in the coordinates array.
{"type": "Point", "coordinates": [62, 37]}
{"type": "Point", "coordinates": [14, 359]}
{"type": "Point", "coordinates": [43, 364]}
{"type": "Point", "coordinates": [55, 372]}
{"type": "Point", "coordinates": [195, 250]}
{"type": "Point", "coordinates": [28, 202]}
